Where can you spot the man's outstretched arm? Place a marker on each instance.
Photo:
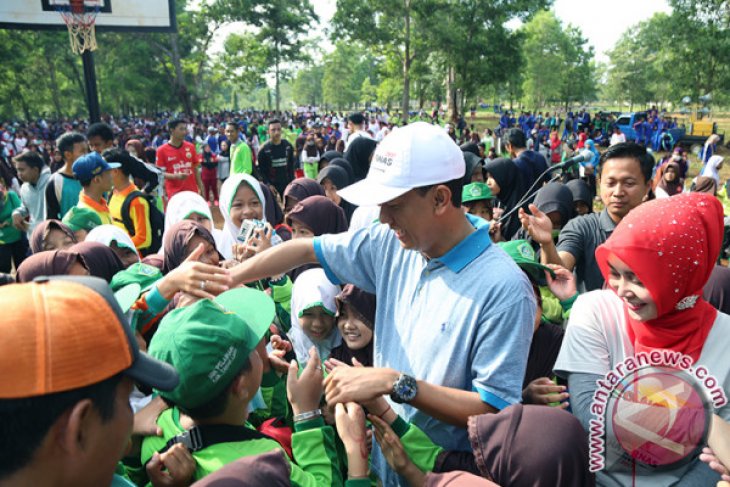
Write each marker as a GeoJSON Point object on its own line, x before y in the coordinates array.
{"type": "Point", "coordinates": [277, 260]}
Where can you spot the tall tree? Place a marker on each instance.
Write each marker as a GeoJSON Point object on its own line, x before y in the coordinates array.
{"type": "Point", "coordinates": [558, 65]}
{"type": "Point", "coordinates": [345, 70]}
{"type": "Point", "coordinates": [280, 27]}
{"type": "Point", "coordinates": [390, 25]}
{"type": "Point", "coordinates": [700, 48]}
{"type": "Point", "coordinates": [635, 65]}
{"type": "Point", "coordinates": [543, 50]}
{"type": "Point", "coordinates": [307, 88]}
{"type": "Point", "coordinates": [471, 36]}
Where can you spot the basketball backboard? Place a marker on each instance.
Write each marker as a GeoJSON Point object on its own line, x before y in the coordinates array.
{"type": "Point", "coordinates": [113, 15]}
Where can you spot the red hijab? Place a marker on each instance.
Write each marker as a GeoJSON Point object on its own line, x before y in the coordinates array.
{"type": "Point", "coordinates": [671, 245]}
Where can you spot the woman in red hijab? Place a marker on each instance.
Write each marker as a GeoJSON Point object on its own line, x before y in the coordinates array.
{"type": "Point", "coordinates": [656, 264]}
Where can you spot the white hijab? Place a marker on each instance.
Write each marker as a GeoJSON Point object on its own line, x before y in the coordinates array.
{"type": "Point", "coordinates": [312, 288]}
{"type": "Point", "coordinates": [710, 169]}
{"type": "Point", "coordinates": [184, 204]}
{"type": "Point", "coordinates": [228, 192]}
{"type": "Point", "coordinates": [106, 234]}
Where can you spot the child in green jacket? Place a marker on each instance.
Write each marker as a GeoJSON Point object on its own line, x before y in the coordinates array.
{"type": "Point", "coordinates": [13, 243]}
{"type": "Point", "coordinates": [213, 346]}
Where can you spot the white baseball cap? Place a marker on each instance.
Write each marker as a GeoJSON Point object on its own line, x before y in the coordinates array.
{"type": "Point", "coordinates": [419, 154]}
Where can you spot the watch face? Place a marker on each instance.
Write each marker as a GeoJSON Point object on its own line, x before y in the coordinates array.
{"type": "Point", "coordinates": [405, 388]}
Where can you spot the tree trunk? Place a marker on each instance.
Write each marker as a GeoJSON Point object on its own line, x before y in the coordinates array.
{"type": "Point", "coordinates": [277, 74]}
{"type": "Point", "coordinates": [407, 61]}
{"type": "Point", "coordinates": [55, 94]}
{"type": "Point", "coordinates": [452, 101]}
{"type": "Point", "coordinates": [181, 88]}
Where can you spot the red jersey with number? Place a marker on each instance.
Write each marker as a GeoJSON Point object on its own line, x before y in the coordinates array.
{"type": "Point", "coordinates": [178, 160]}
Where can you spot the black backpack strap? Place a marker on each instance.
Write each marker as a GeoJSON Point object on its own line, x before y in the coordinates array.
{"type": "Point", "coordinates": [126, 217]}
{"type": "Point", "coordinates": [203, 436]}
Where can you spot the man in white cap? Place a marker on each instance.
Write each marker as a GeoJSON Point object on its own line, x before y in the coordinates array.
{"type": "Point", "coordinates": [454, 316]}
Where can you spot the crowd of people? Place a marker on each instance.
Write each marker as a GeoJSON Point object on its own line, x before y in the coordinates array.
{"type": "Point", "coordinates": [386, 302]}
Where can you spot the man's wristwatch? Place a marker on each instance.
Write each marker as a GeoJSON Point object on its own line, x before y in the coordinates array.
{"type": "Point", "coordinates": [405, 389]}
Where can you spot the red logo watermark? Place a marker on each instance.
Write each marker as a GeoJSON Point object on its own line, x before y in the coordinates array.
{"type": "Point", "coordinates": [653, 409]}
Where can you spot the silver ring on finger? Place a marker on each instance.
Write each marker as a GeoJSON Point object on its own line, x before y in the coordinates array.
{"type": "Point", "coordinates": [202, 285]}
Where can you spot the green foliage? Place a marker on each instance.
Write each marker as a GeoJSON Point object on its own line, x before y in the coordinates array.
{"type": "Point", "coordinates": [668, 57]}
{"type": "Point", "coordinates": [280, 26]}
{"type": "Point", "coordinates": [245, 60]}
{"type": "Point", "coordinates": [558, 66]}
{"type": "Point", "coordinates": [307, 88]}
{"type": "Point", "coordinates": [338, 82]}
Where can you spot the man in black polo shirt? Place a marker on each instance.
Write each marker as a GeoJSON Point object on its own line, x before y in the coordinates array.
{"type": "Point", "coordinates": [625, 173]}
{"type": "Point", "coordinates": [276, 159]}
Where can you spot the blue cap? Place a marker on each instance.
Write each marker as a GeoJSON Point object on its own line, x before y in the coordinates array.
{"type": "Point", "coordinates": [91, 165]}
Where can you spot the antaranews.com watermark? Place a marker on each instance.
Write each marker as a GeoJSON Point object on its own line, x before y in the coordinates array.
{"type": "Point", "coordinates": [660, 406]}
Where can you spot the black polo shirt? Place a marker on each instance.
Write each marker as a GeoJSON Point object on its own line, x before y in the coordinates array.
{"type": "Point", "coordinates": [580, 237]}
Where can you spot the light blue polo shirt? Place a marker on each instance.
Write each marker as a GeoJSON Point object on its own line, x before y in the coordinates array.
{"type": "Point", "coordinates": [464, 320]}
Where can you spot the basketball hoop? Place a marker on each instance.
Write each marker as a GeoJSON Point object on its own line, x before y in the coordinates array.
{"type": "Point", "coordinates": [80, 18]}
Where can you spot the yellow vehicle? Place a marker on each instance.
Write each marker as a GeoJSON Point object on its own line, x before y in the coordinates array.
{"type": "Point", "coordinates": [699, 124]}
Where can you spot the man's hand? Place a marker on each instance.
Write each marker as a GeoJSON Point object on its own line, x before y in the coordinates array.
{"type": "Point", "coordinates": [350, 420]}
{"type": "Point", "coordinates": [538, 225]}
{"type": "Point", "coordinates": [563, 286]}
{"type": "Point", "coordinates": [174, 468]}
{"type": "Point", "coordinates": [358, 384]}
{"type": "Point", "coordinates": [377, 406]}
{"type": "Point", "coordinates": [544, 391]}
{"type": "Point", "coordinates": [305, 391]}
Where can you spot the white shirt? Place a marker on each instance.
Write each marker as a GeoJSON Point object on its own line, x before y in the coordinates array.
{"type": "Point", "coordinates": [355, 135]}
{"type": "Point", "coordinates": [618, 138]}
{"type": "Point", "coordinates": [596, 341]}
{"type": "Point", "coordinates": [382, 133]}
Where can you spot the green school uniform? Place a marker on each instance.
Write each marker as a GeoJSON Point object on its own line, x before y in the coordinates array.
{"type": "Point", "coordinates": [313, 446]}
{"type": "Point", "coordinates": [9, 234]}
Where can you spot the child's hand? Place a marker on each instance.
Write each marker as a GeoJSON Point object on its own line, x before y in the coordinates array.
{"type": "Point", "coordinates": [392, 448]}
{"type": "Point", "coordinates": [277, 343]}
{"type": "Point", "coordinates": [241, 252]}
{"type": "Point", "coordinates": [195, 278]}
{"type": "Point", "coordinates": [709, 457]}
{"type": "Point", "coordinates": [350, 420]}
{"type": "Point", "coordinates": [305, 391]}
{"type": "Point", "coordinates": [563, 286]}
{"type": "Point", "coordinates": [543, 391]}
{"type": "Point", "coordinates": [173, 468]}
{"type": "Point", "coordinates": [261, 239]}
{"type": "Point", "coordinates": [276, 357]}
{"type": "Point", "coordinates": [20, 223]}
{"type": "Point", "coordinates": [145, 421]}
{"type": "Point", "coordinates": [495, 230]}
{"type": "Point", "coordinates": [332, 363]}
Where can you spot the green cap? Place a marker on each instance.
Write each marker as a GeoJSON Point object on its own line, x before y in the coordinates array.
{"type": "Point", "coordinates": [475, 192]}
{"type": "Point", "coordinates": [208, 343]}
{"type": "Point", "coordinates": [79, 218]}
{"type": "Point", "coordinates": [127, 295]}
{"type": "Point", "coordinates": [524, 256]}
{"type": "Point", "coordinates": [142, 274]}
